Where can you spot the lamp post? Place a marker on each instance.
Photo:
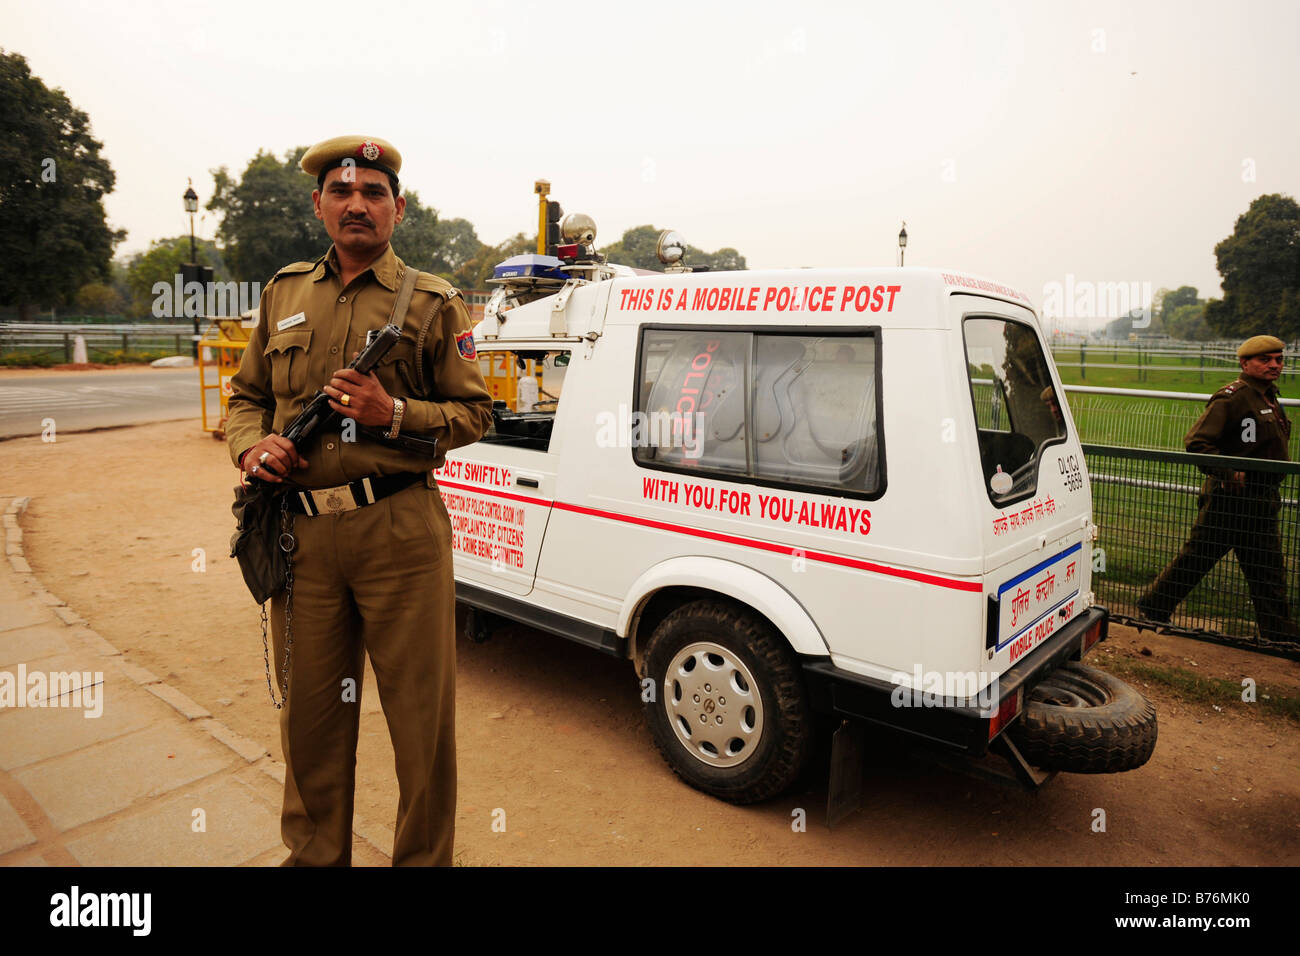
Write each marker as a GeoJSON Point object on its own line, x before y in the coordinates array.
{"type": "Point", "coordinates": [902, 243]}
{"type": "Point", "coordinates": [191, 199]}
{"type": "Point", "coordinates": [191, 206]}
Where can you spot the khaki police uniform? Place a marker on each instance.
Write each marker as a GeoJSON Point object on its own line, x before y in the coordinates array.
{"type": "Point", "coordinates": [375, 579]}
{"type": "Point", "coordinates": [1239, 519]}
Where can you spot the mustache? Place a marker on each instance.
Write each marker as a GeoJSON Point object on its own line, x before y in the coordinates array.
{"type": "Point", "coordinates": [363, 220]}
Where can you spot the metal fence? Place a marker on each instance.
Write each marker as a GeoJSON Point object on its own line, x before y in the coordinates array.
{"type": "Point", "coordinates": [42, 340]}
{"type": "Point", "coordinates": [1137, 418]}
{"type": "Point", "coordinates": [1210, 360]}
{"type": "Point", "coordinates": [1220, 567]}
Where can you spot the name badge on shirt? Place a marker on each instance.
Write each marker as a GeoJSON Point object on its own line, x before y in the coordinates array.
{"type": "Point", "coordinates": [291, 321]}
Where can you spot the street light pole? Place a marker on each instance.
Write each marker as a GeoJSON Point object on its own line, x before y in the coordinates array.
{"type": "Point", "coordinates": [191, 206]}
{"type": "Point", "coordinates": [902, 243]}
{"type": "Point", "coordinates": [191, 199]}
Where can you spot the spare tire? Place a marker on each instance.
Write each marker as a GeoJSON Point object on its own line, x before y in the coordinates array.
{"type": "Point", "coordinates": [1082, 720]}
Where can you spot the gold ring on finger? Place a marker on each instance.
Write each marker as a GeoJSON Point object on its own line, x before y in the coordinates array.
{"type": "Point", "coordinates": [345, 399]}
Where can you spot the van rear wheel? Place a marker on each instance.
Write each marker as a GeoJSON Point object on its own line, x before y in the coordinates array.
{"type": "Point", "coordinates": [730, 713]}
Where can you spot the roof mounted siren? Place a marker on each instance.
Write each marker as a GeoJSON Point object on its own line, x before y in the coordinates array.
{"type": "Point", "coordinates": [577, 249]}
{"type": "Point", "coordinates": [578, 232]}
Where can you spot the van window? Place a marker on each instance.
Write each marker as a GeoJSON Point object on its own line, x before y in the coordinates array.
{"type": "Point", "coordinates": [1016, 411]}
{"type": "Point", "coordinates": [525, 387]}
{"type": "Point", "coordinates": [784, 408]}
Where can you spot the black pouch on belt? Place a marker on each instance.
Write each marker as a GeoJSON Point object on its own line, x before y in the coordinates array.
{"type": "Point", "coordinates": [256, 542]}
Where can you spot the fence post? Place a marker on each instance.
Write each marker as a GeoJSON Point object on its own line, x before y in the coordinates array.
{"type": "Point", "coordinates": [67, 347]}
{"type": "Point", "coordinates": [1202, 364]}
{"type": "Point", "coordinates": [1083, 360]}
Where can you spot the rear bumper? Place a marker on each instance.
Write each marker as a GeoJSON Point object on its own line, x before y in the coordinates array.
{"type": "Point", "coordinates": [967, 726]}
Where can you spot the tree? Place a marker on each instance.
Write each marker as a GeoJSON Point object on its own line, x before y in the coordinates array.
{"type": "Point", "coordinates": [415, 240]}
{"type": "Point", "coordinates": [476, 271]}
{"type": "Point", "coordinates": [1188, 323]}
{"type": "Point", "coordinates": [724, 260]}
{"type": "Point", "coordinates": [1260, 265]}
{"type": "Point", "coordinates": [117, 278]}
{"type": "Point", "coordinates": [56, 237]}
{"type": "Point", "coordinates": [267, 218]}
{"type": "Point", "coordinates": [99, 298]}
{"type": "Point", "coordinates": [457, 244]}
{"type": "Point", "coordinates": [162, 263]}
{"type": "Point", "coordinates": [1173, 301]}
{"type": "Point", "coordinates": [638, 249]}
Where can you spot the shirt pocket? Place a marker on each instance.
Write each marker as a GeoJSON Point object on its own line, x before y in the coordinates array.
{"type": "Point", "coordinates": [396, 370]}
{"type": "Point", "coordinates": [287, 353]}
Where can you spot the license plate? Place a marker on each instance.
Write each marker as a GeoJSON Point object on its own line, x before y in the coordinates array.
{"type": "Point", "coordinates": [1036, 602]}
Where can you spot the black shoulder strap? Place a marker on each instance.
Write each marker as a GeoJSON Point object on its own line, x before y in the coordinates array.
{"type": "Point", "coordinates": [404, 293]}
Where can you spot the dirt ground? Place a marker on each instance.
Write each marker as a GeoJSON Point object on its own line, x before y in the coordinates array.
{"type": "Point", "coordinates": [552, 733]}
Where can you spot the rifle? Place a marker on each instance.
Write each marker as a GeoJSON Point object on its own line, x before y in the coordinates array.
{"type": "Point", "coordinates": [317, 415]}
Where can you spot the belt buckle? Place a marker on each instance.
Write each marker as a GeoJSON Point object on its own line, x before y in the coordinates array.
{"type": "Point", "coordinates": [333, 500]}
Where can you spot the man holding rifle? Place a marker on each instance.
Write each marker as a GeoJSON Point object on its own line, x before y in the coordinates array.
{"type": "Point", "coordinates": [371, 566]}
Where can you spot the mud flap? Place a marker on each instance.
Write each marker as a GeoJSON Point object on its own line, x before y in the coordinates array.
{"type": "Point", "coordinates": [480, 625]}
{"type": "Point", "coordinates": [844, 792]}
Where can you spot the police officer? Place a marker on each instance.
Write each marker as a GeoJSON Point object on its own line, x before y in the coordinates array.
{"type": "Point", "coordinates": [372, 567]}
{"type": "Point", "coordinates": [1237, 510]}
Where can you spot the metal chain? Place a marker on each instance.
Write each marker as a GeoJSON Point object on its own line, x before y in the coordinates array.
{"type": "Point", "coordinates": [287, 544]}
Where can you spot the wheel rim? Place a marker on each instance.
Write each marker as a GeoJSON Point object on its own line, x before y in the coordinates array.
{"type": "Point", "coordinates": [1061, 690]}
{"type": "Point", "coordinates": [713, 705]}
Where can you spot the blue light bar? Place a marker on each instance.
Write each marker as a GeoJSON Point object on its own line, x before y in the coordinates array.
{"type": "Point", "coordinates": [530, 266]}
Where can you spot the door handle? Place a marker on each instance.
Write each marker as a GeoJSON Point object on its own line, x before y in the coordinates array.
{"type": "Point", "coordinates": [527, 482]}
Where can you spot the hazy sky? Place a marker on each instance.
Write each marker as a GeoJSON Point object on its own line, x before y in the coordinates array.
{"type": "Point", "coordinates": [1116, 142]}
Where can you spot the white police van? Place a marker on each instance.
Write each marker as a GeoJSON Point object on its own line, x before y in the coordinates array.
{"type": "Point", "coordinates": [846, 492]}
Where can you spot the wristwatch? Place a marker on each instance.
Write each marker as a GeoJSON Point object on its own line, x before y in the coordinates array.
{"type": "Point", "coordinates": [399, 409]}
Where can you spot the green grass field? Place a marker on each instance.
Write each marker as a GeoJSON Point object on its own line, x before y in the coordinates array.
{"type": "Point", "coordinates": [1137, 422]}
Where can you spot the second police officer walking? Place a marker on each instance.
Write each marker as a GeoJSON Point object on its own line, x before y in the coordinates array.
{"type": "Point", "coordinates": [1237, 510]}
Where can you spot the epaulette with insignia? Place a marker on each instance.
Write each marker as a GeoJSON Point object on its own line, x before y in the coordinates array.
{"type": "Point", "coordinates": [295, 268]}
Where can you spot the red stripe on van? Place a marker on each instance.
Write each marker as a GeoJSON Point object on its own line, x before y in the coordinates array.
{"type": "Point", "coordinates": [494, 493]}
{"type": "Point", "coordinates": [955, 584]}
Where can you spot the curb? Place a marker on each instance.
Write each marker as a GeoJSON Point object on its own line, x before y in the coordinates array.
{"type": "Point", "coordinates": [194, 713]}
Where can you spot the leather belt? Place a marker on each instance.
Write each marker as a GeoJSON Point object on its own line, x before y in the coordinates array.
{"type": "Point", "coordinates": [357, 494]}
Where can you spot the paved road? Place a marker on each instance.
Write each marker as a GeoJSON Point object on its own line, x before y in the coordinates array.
{"type": "Point", "coordinates": [82, 400]}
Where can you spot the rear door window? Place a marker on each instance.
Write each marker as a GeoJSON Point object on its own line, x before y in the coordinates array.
{"type": "Point", "coordinates": [783, 408]}
{"type": "Point", "coordinates": [1017, 412]}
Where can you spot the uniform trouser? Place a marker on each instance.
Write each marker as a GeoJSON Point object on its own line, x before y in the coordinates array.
{"type": "Point", "coordinates": [379, 580]}
{"type": "Point", "coordinates": [1247, 524]}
